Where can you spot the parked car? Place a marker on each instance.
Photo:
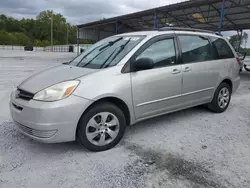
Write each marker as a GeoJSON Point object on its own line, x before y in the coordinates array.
{"type": "Point", "coordinates": [122, 80]}
{"type": "Point", "coordinates": [28, 48]}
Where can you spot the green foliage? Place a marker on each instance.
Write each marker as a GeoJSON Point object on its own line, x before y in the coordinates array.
{"type": "Point", "coordinates": [235, 40]}
{"type": "Point", "coordinates": [41, 43]}
{"type": "Point", "coordinates": [5, 38]}
{"type": "Point", "coordinates": [248, 52]}
{"type": "Point", "coordinates": [37, 31]}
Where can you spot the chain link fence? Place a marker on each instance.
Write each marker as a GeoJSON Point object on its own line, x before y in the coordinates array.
{"type": "Point", "coordinates": [56, 48]}
{"type": "Point", "coordinates": [10, 47]}
{"type": "Point", "coordinates": [66, 48]}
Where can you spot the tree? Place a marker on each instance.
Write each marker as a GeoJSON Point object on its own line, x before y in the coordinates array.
{"type": "Point", "coordinates": [20, 39]}
{"type": "Point", "coordinates": [245, 38]}
{"type": "Point", "coordinates": [59, 26]}
{"type": "Point", "coordinates": [36, 31]}
{"type": "Point", "coordinates": [235, 40]}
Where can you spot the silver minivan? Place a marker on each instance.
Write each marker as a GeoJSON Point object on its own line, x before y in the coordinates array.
{"type": "Point", "coordinates": [122, 80]}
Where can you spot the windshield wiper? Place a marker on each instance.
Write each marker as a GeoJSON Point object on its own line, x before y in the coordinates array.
{"type": "Point", "coordinates": [103, 48]}
{"type": "Point", "coordinates": [85, 55]}
{"type": "Point", "coordinates": [110, 43]}
{"type": "Point", "coordinates": [118, 52]}
{"type": "Point", "coordinates": [108, 58]}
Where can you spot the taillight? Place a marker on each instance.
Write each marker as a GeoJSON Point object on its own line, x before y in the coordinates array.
{"type": "Point", "coordinates": [238, 59]}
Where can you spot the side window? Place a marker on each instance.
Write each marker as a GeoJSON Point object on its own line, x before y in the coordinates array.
{"type": "Point", "coordinates": [223, 49]}
{"type": "Point", "coordinates": [161, 52]}
{"type": "Point", "coordinates": [196, 49]}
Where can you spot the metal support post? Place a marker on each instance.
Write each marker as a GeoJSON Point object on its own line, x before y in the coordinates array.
{"type": "Point", "coordinates": [221, 15]}
{"type": "Point", "coordinates": [51, 31]}
{"type": "Point", "coordinates": [155, 20]}
{"type": "Point", "coordinates": [98, 34]}
{"type": "Point", "coordinates": [77, 41]}
{"type": "Point", "coordinates": [116, 27]}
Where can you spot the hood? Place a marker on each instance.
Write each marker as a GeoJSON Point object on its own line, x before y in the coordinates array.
{"type": "Point", "coordinates": [52, 76]}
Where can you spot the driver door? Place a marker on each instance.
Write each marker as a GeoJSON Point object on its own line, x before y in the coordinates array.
{"type": "Point", "coordinates": [158, 90]}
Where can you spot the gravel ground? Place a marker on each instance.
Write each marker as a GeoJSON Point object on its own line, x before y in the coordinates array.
{"type": "Point", "coordinates": [190, 148]}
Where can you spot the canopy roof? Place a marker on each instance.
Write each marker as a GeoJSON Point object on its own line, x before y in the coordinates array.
{"type": "Point", "coordinates": [213, 15]}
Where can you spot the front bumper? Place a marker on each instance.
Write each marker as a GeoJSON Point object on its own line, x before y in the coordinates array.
{"type": "Point", "coordinates": [48, 122]}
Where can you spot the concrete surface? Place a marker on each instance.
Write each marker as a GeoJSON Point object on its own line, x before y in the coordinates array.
{"type": "Point", "coordinates": [190, 148]}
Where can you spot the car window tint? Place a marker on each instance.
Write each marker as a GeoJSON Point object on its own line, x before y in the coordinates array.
{"type": "Point", "coordinates": [196, 49]}
{"type": "Point", "coordinates": [161, 52]}
{"type": "Point", "coordinates": [223, 49]}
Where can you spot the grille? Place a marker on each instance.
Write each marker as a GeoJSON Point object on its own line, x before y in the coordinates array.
{"type": "Point", "coordinates": [36, 133]}
{"type": "Point", "coordinates": [24, 95]}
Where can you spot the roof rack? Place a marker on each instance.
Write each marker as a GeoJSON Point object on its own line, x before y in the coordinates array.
{"type": "Point", "coordinates": [187, 29]}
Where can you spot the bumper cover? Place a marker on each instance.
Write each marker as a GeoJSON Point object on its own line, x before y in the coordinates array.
{"type": "Point", "coordinates": [49, 122]}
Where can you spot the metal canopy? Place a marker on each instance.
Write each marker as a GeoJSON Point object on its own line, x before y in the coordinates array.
{"type": "Point", "coordinates": [215, 15]}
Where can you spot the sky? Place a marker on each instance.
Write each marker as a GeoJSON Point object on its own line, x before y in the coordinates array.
{"type": "Point", "coordinates": [82, 11]}
{"type": "Point", "coordinates": [79, 11]}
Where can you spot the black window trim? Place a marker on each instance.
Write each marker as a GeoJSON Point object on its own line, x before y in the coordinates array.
{"type": "Point", "coordinates": [217, 52]}
{"type": "Point", "coordinates": [196, 35]}
{"type": "Point", "coordinates": [127, 68]}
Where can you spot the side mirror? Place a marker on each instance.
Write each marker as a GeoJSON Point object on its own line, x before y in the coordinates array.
{"type": "Point", "coordinates": [143, 64]}
{"type": "Point", "coordinates": [65, 63]}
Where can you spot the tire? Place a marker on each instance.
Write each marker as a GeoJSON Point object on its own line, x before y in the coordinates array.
{"type": "Point", "coordinates": [217, 106]}
{"type": "Point", "coordinates": [96, 123]}
{"type": "Point", "coordinates": [245, 67]}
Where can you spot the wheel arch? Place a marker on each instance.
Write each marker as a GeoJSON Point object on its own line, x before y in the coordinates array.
{"type": "Point", "coordinates": [229, 82]}
{"type": "Point", "coordinates": [114, 100]}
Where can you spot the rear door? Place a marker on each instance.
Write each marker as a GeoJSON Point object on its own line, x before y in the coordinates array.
{"type": "Point", "coordinates": [200, 69]}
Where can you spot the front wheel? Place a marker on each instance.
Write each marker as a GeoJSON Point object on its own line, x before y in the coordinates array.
{"type": "Point", "coordinates": [221, 98]}
{"type": "Point", "coordinates": [101, 127]}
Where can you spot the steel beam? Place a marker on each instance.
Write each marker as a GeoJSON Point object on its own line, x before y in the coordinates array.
{"type": "Point", "coordinates": [126, 25]}
{"type": "Point", "coordinates": [221, 15]}
{"type": "Point", "coordinates": [165, 14]}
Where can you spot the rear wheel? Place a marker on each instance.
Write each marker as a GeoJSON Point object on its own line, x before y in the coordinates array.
{"type": "Point", "coordinates": [101, 127]}
{"type": "Point", "coordinates": [221, 98]}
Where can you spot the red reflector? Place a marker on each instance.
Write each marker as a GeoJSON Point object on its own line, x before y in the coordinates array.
{"type": "Point", "coordinates": [238, 59]}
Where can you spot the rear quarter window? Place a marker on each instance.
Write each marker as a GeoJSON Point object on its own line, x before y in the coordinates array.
{"type": "Point", "coordinates": [196, 49]}
{"type": "Point", "coordinates": [222, 47]}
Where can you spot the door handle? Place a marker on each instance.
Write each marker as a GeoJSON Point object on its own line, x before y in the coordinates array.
{"type": "Point", "coordinates": [187, 69]}
{"type": "Point", "coordinates": [176, 71]}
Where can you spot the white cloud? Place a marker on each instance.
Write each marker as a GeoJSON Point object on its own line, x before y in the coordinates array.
{"type": "Point", "coordinates": [79, 11]}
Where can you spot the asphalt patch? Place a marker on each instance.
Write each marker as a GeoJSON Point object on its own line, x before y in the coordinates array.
{"type": "Point", "coordinates": [176, 168]}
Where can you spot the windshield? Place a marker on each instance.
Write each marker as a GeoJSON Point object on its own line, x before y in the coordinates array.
{"type": "Point", "coordinates": [107, 52]}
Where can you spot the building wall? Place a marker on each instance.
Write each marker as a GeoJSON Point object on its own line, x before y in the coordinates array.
{"type": "Point", "coordinates": [101, 32]}
{"type": "Point", "coordinates": [97, 34]}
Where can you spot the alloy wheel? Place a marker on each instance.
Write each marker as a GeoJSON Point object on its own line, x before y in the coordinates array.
{"type": "Point", "coordinates": [102, 128]}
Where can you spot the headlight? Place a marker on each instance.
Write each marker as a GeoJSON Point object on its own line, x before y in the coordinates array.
{"type": "Point", "coordinates": [57, 91]}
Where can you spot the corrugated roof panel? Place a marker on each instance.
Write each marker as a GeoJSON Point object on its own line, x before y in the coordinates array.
{"type": "Point", "coordinates": [195, 13]}
{"type": "Point", "coordinates": [246, 20]}
{"type": "Point", "coordinates": [239, 16]}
